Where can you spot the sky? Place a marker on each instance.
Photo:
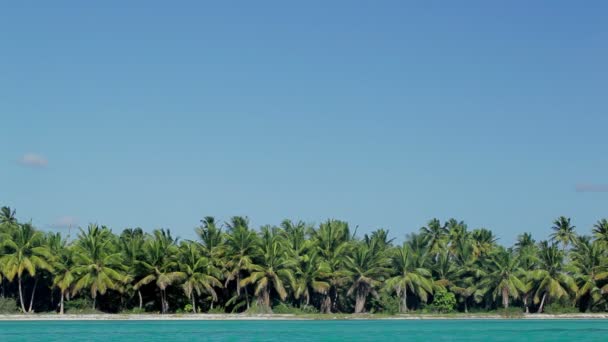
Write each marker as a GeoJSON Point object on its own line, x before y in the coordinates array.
{"type": "Point", "coordinates": [381, 113]}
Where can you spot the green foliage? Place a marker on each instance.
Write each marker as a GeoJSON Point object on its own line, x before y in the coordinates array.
{"type": "Point", "coordinates": [386, 304]}
{"type": "Point", "coordinates": [298, 268]}
{"type": "Point", "coordinates": [443, 302]}
{"type": "Point", "coordinates": [217, 310]}
{"type": "Point", "coordinates": [8, 306]}
{"type": "Point", "coordinates": [284, 308]}
{"type": "Point", "coordinates": [511, 312]}
{"type": "Point", "coordinates": [135, 311]}
{"type": "Point", "coordinates": [79, 306]}
{"type": "Point", "coordinates": [560, 308]}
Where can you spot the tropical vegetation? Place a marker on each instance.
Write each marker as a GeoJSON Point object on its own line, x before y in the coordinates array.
{"type": "Point", "coordinates": [300, 267]}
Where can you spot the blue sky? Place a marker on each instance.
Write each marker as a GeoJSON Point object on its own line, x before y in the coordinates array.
{"type": "Point", "coordinates": [384, 114]}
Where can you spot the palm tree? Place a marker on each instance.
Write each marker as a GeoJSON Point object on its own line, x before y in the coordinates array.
{"type": "Point", "coordinates": [552, 280]}
{"type": "Point", "coordinates": [484, 241]}
{"type": "Point", "coordinates": [159, 265]}
{"type": "Point", "coordinates": [332, 241]}
{"type": "Point", "coordinates": [311, 276]}
{"type": "Point", "coordinates": [8, 220]}
{"type": "Point", "coordinates": [63, 277]}
{"type": "Point", "coordinates": [295, 236]}
{"type": "Point", "coordinates": [272, 270]}
{"type": "Point", "coordinates": [465, 280]}
{"type": "Point", "coordinates": [589, 266]}
{"type": "Point", "coordinates": [563, 232]}
{"type": "Point", "coordinates": [201, 276]}
{"type": "Point", "coordinates": [368, 267]}
{"type": "Point", "coordinates": [527, 253]}
{"type": "Point", "coordinates": [98, 265]}
{"type": "Point", "coordinates": [242, 245]}
{"type": "Point", "coordinates": [132, 247]}
{"type": "Point", "coordinates": [503, 277]}
{"type": "Point", "coordinates": [24, 252]}
{"type": "Point", "coordinates": [411, 274]}
{"type": "Point", "coordinates": [435, 236]}
{"type": "Point", "coordinates": [600, 231]}
{"type": "Point", "coordinates": [211, 237]}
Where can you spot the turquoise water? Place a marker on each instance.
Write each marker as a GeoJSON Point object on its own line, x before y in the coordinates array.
{"type": "Point", "coordinates": [381, 330]}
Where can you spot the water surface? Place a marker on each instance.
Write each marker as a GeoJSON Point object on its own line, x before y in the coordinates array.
{"type": "Point", "coordinates": [292, 331]}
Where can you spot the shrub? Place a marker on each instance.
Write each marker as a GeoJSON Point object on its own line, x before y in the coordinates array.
{"type": "Point", "coordinates": [512, 312]}
{"type": "Point", "coordinates": [559, 308]}
{"type": "Point", "coordinates": [217, 310]}
{"type": "Point", "coordinates": [443, 302]}
{"type": "Point", "coordinates": [283, 308]}
{"type": "Point", "coordinates": [80, 306]}
{"type": "Point", "coordinates": [188, 308]}
{"type": "Point", "coordinates": [386, 304]}
{"type": "Point", "coordinates": [135, 311]}
{"type": "Point", "coordinates": [8, 306]}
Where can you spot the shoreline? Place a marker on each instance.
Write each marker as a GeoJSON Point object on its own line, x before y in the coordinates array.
{"type": "Point", "coordinates": [287, 317]}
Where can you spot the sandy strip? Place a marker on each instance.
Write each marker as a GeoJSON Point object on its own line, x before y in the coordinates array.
{"type": "Point", "coordinates": [279, 317]}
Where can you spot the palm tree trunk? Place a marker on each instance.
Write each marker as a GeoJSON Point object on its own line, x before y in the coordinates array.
{"type": "Point", "coordinates": [404, 300]}
{"type": "Point", "coordinates": [466, 307]}
{"type": "Point", "coordinates": [360, 296]}
{"type": "Point", "coordinates": [267, 299]}
{"type": "Point", "coordinates": [94, 301]}
{"type": "Point", "coordinates": [193, 304]}
{"type": "Point", "coordinates": [61, 304]}
{"type": "Point", "coordinates": [542, 303]}
{"type": "Point", "coordinates": [505, 298]}
{"type": "Point", "coordinates": [33, 294]}
{"type": "Point", "coordinates": [326, 305]}
{"type": "Point", "coordinates": [526, 303]}
{"type": "Point", "coordinates": [21, 296]}
{"type": "Point", "coordinates": [141, 301]}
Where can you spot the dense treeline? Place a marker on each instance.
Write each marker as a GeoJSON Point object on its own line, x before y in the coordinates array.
{"type": "Point", "coordinates": [327, 268]}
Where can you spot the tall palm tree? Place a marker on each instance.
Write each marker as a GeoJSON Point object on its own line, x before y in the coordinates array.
{"type": "Point", "coordinates": [211, 237]}
{"type": "Point", "coordinates": [368, 267]}
{"type": "Point", "coordinates": [8, 220]}
{"type": "Point", "coordinates": [311, 276]}
{"type": "Point", "coordinates": [503, 277]}
{"type": "Point", "coordinates": [242, 245]}
{"type": "Point", "coordinates": [435, 235]}
{"type": "Point", "coordinates": [600, 231]}
{"type": "Point", "coordinates": [132, 242]}
{"type": "Point", "coordinates": [201, 276]}
{"type": "Point", "coordinates": [159, 265]}
{"type": "Point", "coordinates": [552, 279]}
{"type": "Point", "coordinates": [465, 280]}
{"type": "Point", "coordinates": [409, 274]}
{"type": "Point", "coordinates": [527, 253]}
{"type": "Point", "coordinates": [484, 241]}
{"type": "Point", "coordinates": [295, 235]}
{"type": "Point", "coordinates": [563, 232]}
{"type": "Point", "coordinates": [524, 241]}
{"type": "Point", "coordinates": [272, 270]}
{"type": "Point", "coordinates": [63, 277]}
{"type": "Point", "coordinates": [24, 254]}
{"type": "Point", "coordinates": [590, 267]}
{"type": "Point", "coordinates": [332, 241]}
{"type": "Point", "coordinates": [98, 265]}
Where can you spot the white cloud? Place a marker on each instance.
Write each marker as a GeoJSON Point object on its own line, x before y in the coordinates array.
{"type": "Point", "coordinates": [33, 160]}
{"type": "Point", "coordinates": [65, 222]}
{"type": "Point", "coordinates": [592, 187]}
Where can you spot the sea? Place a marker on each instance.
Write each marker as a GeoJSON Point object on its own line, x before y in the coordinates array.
{"type": "Point", "coordinates": [295, 330]}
